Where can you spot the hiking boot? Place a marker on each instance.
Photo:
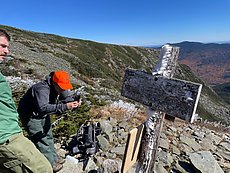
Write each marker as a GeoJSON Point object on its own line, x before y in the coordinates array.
{"type": "Point", "coordinates": [60, 160]}
{"type": "Point", "coordinates": [57, 167]}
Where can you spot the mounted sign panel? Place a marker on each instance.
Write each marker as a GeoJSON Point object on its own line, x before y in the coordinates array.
{"type": "Point", "coordinates": [175, 97]}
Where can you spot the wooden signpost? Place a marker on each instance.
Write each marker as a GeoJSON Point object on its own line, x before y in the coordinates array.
{"type": "Point", "coordinates": [175, 97]}
{"type": "Point", "coordinates": [163, 94]}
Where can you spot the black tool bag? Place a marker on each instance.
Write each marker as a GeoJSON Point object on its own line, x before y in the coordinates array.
{"type": "Point", "coordinates": [85, 142]}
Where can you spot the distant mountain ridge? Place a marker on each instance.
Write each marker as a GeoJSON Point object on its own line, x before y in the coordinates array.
{"type": "Point", "coordinates": [210, 61]}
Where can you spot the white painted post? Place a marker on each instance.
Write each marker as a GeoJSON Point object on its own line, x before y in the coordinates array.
{"type": "Point", "coordinates": [166, 67]}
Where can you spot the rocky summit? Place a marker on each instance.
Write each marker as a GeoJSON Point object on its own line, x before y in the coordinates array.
{"type": "Point", "coordinates": [200, 147]}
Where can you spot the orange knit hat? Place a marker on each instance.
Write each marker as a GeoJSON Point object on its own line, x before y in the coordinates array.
{"type": "Point", "coordinates": [62, 79]}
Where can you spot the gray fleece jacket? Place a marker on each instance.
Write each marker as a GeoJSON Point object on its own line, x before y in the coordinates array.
{"type": "Point", "coordinates": [40, 100]}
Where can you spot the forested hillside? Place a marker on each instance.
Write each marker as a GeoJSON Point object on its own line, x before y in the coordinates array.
{"type": "Point", "coordinates": [209, 61]}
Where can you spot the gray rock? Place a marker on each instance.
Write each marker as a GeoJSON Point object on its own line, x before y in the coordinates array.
{"type": "Point", "coordinates": [164, 143]}
{"type": "Point", "coordinates": [225, 145]}
{"type": "Point", "coordinates": [175, 150]}
{"type": "Point", "coordinates": [207, 144]}
{"type": "Point", "coordinates": [186, 149]}
{"type": "Point", "coordinates": [173, 129]}
{"type": "Point", "coordinates": [106, 126]}
{"type": "Point", "coordinates": [216, 139]}
{"type": "Point", "coordinates": [111, 166]}
{"type": "Point", "coordinates": [112, 137]}
{"type": "Point", "coordinates": [163, 136]}
{"type": "Point", "coordinates": [159, 168]}
{"type": "Point", "coordinates": [73, 165]}
{"type": "Point", "coordinates": [224, 154]}
{"type": "Point", "coordinates": [98, 160]}
{"type": "Point", "coordinates": [190, 142]}
{"type": "Point", "coordinates": [118, 150]}
{"type": "Point", "coordinates": [225, 166]}
{"type": "Point", "coordinates": [104, 143]}
{"type": "Point", "coordinates": [124, 125]}
{"type": "Point", "coordinates": [165, 158]}
{"type": "Point", "coordinates": [199, 134]}
{"type": "Point", "coordinates": [205, 162]}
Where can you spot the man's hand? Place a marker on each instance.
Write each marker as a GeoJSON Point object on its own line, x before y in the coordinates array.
{"type": "Point", "coordinates": [72, 105]}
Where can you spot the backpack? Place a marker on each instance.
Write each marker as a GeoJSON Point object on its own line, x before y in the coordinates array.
{"type": "Point", "coordinates": [85, 141]}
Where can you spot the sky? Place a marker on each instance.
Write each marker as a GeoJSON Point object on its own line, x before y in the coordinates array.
{"type": "Point", "coordinates": [123, 22]}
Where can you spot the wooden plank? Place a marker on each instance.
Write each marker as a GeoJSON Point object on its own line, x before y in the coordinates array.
{"type": "Point", "coordinates": [132, 148]}
{"type": "Point", "coordinates": [175, 97]}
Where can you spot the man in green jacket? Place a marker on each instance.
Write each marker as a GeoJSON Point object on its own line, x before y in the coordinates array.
{"type": "Point", "coordinates": [17, 153]}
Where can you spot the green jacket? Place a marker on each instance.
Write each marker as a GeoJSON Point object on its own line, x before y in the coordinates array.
{"type": "Point", "coordinates": [8, 112]}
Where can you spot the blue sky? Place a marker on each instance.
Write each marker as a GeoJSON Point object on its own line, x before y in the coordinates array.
{"type": "Point", "coordinates": [129, 22]}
